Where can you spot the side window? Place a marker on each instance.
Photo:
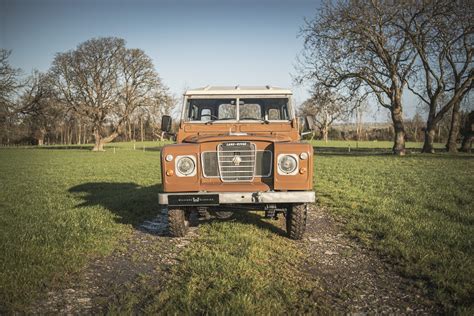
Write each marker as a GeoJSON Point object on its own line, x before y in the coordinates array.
{"type": "Point", "coordinates": [194, 112]}
{"type": "Point", "coordinates": [274, 114]}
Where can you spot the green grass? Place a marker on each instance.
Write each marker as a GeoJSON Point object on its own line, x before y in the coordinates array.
{"type": "Point", "coordinates": [59, 208]}
{"type": "Point", "coordinates": [241, 267]}
{"type": "Point", "coordinates": [418, 210]}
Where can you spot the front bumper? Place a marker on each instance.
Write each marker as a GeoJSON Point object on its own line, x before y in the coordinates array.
{"type": "Point", "coordinates": [216, 198]}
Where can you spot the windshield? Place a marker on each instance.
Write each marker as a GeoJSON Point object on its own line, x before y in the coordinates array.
{"type": "Point", "coordinates": [248, 109]}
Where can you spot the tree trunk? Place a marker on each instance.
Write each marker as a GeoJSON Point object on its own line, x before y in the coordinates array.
{"type": "Point", "coordinates": [468, 133]}
{"type": "Point", "coordinates": [325, 133]}
{"type": "Point", "coordinates": [101, 141]}
{"type": "Point", "coordinates": [430, 132]}
{"type": "Point", "coordinates": [451, 145]}
{"type": "Point", "coordinates": [141, 128]}
{"type": "Point", "coordinates": [467, 143]}
{"type": "Point", "coordinates": [39, 135]}
{"type": "Point", "coordinates": [99, 145]}
{"type": "Point", "coordinates": [399, 131]}
{"type": "Point", "coordinates": [79, 133]}
{"type": "Point", "coordinates": [429, 140]}
{"type": "Point", "coordinates": [84, 137]}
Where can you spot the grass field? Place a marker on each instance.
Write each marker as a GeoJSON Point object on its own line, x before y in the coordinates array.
{"type": "Point", "coordinates": [48, 230]}
{"type": "Point", "coordinates": [59, 208]}
{"type": "Point", "coordinates": [416, 209]}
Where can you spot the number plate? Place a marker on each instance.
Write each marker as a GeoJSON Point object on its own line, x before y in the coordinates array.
{"type": "Point", "coordinates": [193, 199]}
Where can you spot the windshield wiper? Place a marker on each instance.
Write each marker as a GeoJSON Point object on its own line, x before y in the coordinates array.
{"type": "Point", "coordinates": [254, 119]}
{"type": "Point", "coordinates": [221, 119]}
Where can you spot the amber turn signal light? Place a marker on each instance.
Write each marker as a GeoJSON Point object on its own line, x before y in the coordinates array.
{"type": "Point", "coordinates": [303, 170]}
{"type": "Point", "coordinates": [169, 172]}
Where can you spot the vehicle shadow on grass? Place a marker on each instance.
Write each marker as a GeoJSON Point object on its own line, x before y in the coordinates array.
{"type": "Point", "coordinates": [133, 204]}
{"type": "Point", "coordinates": [252, 218]}
{"type": "Point", "coordinates": [130, 202]}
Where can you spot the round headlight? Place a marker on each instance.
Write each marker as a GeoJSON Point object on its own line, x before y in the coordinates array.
{"type": "Point", "coordinates": [169, 157]}
{"type": "Point", "coordinates": [287, 164]}
{"type": "Point", "coordinates": [185, 166]}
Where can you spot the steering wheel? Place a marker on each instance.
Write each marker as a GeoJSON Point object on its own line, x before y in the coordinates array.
{"type": "Point", "coordinates": [213, 117]}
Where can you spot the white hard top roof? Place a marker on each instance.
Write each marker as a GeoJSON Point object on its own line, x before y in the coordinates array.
{"type": "Point", "coordinates": [242, 90]}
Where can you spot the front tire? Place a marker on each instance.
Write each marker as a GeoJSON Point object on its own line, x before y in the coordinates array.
{"type": "Point", "coordinates": [177, 224]}
{"type": "Point", "coordinates": [296, 215]}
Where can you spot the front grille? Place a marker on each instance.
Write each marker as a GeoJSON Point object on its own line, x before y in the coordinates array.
{"type": "Point", "coordinates": [263, 164]}
{"type": "Point", "coordinates": [236, 161]}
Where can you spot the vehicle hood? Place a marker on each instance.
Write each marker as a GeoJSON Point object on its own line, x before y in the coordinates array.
{"type": "Point", "coordinates": [273, 138]}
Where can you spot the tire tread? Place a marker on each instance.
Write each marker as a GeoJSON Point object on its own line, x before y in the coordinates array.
{"type": "Point", "coordinates": [177, 223]}
{"type": "Point", "coordinates": [296, 221]}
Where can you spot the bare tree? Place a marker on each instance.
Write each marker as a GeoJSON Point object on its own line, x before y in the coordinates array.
{"type": "Point", "coordinates": [36, 106]}
{"type": "Point", "coordinates": [86, 80]}
{"type": "Point", "coordinates": [356, 44]}
{"type": "Point", "coordinates": [105, 82]}
{"type": "Point", "coordinates": [139, 83]}
{"type": "Point", "coordinates": [9, 82]}
{"type": "Point", "coordinates": [325, 108]}
{"type": "Point", "coordinates": [442, 33]}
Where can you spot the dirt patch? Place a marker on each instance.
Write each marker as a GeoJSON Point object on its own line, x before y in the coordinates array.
{"type": "Point", "coordinates": [354, 279]}
{"type": "Point", "coordinates": [146, 252]}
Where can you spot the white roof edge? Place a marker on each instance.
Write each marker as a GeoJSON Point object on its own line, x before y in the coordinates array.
{"type": "Point", "coordinates": [238, 90]}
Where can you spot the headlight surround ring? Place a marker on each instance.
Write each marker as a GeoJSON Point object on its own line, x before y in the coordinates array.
{"type": "Point", "coordinates": [287, 164]}
{"type": "Point", "coordinates": [185, 166]}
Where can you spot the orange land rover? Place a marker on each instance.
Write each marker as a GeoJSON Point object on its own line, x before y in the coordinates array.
{"type": "Point", "coordinates": [238, 148]}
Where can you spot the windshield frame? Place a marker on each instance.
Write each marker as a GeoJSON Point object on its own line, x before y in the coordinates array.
{"type": "Point", "coordinates": [184, 118]}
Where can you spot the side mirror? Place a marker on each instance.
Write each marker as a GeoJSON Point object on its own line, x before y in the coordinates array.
{"type": "Point", "coordinates": [308, 123]}
{"type": "Point", "coordinates": [166, 123]}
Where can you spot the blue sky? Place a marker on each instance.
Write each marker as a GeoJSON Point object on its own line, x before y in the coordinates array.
{"type": "Point", "coordinates": [192, 43]}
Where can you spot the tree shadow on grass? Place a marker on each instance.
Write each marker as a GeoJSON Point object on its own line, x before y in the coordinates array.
{"type": "Point", "coordinates": [441, 153]}
{"type": "Point", "coordinates": [345, 151]}
{"type": "Point", "coordinates": [133, 204]}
